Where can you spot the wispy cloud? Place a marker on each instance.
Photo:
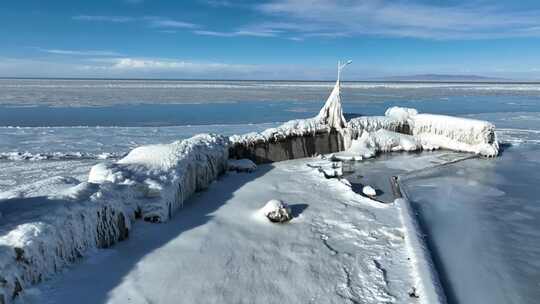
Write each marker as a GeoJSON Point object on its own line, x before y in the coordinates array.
{"type": "Point", "coordinates": [263, 33]}
{"type": "Point", "coordinates": [168, 23]}
{"type": "Point", "coordinates": [80, 52]}
{"type": "Point", "coordinates": [151, 21]}
{"type": "Point", "coordinates": [402, 19]}
{"type": "Point", "coordinates": [218, 3]}
{"type": "Point", "coordinates": [114, 19]}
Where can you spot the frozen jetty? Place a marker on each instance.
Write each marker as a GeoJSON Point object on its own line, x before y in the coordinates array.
{"type": "Point", "coordinates": [325, 133]}
{"type": "Point", "coordinates": [40, 235]}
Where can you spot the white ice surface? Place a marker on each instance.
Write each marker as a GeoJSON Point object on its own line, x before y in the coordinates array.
{"type": "Point", "coordinates": [340, 248]}
{"type": "Point", "coordinates": [72, 143]}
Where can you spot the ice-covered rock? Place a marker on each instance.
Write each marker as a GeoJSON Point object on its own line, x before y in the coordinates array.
{"type": "Point", "coordinates": [369, 191]}
{"type": "Point", "coordinates": [241, 165]}
{"type": "Point", "coordinates": [277, 211]}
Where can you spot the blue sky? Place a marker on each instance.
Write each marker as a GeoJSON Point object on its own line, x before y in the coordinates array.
{"type": "Point", "coordinates": [274, 39]}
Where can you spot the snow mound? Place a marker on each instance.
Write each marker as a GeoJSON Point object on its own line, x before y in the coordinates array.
{"type": "Point", "coordinates": [276, 211]}
{"type": "Point", "coordinates": [369, 191]}
{"type": "Point", "coordinates": [399, 113]}
{"type": "Point", "coordinates": [241, 165]}
{"type": "Point", "coordinates": [455, 133]}
{"type": "Point", "coordinates": [161, 177]}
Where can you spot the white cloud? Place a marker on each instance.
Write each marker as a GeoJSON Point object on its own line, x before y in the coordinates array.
{"type": "Point", "coordinates": [402, 18]}
{"type": "Point", "coordinates": [80, 52]}
{"type": "Point", "coordinates": [151, 21]}
{"type": "Point", "coordinates": [168, 23]}
{"type": "Point", "coordinates": [114, 19]}
{"type": "Point", "coordinates": [251, 33]}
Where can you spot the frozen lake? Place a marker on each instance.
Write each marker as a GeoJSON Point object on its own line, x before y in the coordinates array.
{"type": "Point", "coordinates": [481, 216]}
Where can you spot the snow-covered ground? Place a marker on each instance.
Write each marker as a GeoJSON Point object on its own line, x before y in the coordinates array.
{"type": "Point", "coordinates": [340, 248]}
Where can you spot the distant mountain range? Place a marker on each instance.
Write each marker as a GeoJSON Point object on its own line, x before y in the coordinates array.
{"type": "Point", "coordinates": [441, 78]}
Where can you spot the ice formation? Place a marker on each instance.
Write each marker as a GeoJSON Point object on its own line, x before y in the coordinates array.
{"type": "Point", "coordinates": [52, 224]}
{"type": "Point", "coordinates": [426, 131]}
{"type": "Point", "coordinates": [40, 235]}
{"type": "Point", "coordinates": [371, 143]}
{"type": "Point", "coordinates": [455, 133]}
{"type": "Point", "coordinates": [363, 124]}
{"type": "Point", "coordinates": [161, 177]}
{"type": "Point", "coordinates": [325, 133]}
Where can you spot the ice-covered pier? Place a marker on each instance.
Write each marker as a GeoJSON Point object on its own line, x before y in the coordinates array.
{"type": "Point", "coordinates": [40, 236]}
